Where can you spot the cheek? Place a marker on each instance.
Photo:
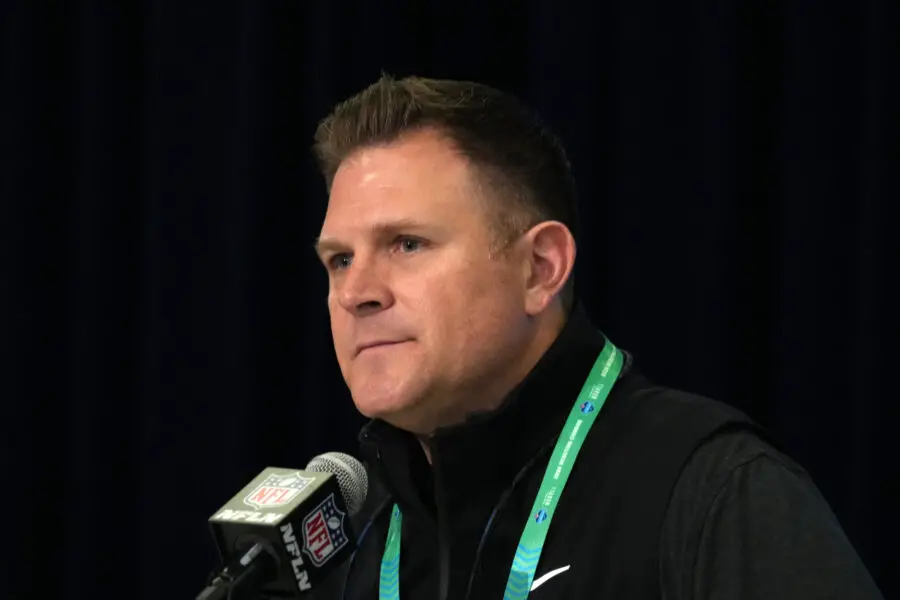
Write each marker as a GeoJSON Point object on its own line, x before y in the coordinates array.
{"type": "Point", "coordinates": [446, 288]}
{"type": "Point", "coordinates": [341, 331]}
{"type": "Point", "coordinates": [463, 304]}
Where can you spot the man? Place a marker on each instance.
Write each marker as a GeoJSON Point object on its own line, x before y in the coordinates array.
{"type": "Point", "coordinates": [515, 451]}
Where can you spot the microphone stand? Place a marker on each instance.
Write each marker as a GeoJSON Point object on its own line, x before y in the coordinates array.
{"type": "Point", "coordinates": [241, 578]}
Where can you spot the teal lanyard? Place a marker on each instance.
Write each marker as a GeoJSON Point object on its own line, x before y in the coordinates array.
{"type": "Point", "coordinates": [591, 399]}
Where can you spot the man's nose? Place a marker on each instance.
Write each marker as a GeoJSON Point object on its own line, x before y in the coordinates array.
{"type": "Point", "coordinates": [364, 289]}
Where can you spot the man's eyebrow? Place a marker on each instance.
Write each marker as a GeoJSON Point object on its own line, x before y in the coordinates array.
{"type": "Point", "coordinates": [322, 245]}
{"type": "Point", "coordinates": [382, 229]}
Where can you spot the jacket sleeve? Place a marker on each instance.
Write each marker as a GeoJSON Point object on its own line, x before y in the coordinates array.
{"type": "Point", "coordinates": [755, 527]}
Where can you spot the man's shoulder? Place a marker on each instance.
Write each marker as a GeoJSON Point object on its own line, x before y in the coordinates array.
{"type": "Point", "coordinates": [720, 437]}
{"type": "Point", "coordinates": [671, 412]}
{"type": "Point", "coordinates": [742, 505]}
{"type": "Point", "coordinates": [716, 463]}
{"type": "Point", "coordinates": [726, 437]}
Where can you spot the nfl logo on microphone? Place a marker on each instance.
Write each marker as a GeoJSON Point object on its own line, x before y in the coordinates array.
{"type": "Point", "coordinates": [323, 531]}
{"type": "Point", "coordinates": [277, 490]}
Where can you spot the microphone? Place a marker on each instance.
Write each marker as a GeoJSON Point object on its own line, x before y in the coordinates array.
{"type": "Point", "coordinates": [287, 530]}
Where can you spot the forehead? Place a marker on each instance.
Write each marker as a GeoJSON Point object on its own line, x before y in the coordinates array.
{"type": "Point", "coordinates": [420, 177]}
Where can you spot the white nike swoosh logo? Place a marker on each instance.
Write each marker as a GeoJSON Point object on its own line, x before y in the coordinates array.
{"type": "Point", "coordinates": [546, 576]}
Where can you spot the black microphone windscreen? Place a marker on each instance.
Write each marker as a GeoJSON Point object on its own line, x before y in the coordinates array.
{"type": "Point", "coordinates": [350, 474]}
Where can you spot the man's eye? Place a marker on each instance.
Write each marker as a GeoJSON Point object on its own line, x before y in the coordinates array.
{"type": "Point", "coordinates": [407, 244]}
{"type": "Point", "coordinates": [339, 262]}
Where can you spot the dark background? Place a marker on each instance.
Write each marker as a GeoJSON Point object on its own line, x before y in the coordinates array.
{"type": "Point", "coordinates": [164, 327]}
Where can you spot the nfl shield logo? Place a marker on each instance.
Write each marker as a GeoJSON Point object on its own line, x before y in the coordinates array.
{"type": "Point", "coordinates": [323, 531]}
{"type": "Point", "coordinates": [277, 490]}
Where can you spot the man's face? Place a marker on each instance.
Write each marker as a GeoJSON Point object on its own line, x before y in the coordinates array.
{"type": "Point", "coordinates": [423, 317]}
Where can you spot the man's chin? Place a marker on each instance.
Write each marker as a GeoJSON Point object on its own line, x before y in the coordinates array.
{"type": "Point", "coordinates": [401, 412]}
{"type": "Point", "coordinates": [382, 407]}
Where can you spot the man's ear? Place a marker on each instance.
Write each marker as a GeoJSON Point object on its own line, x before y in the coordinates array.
{"type": "Point", "coordinates": [551, 259]}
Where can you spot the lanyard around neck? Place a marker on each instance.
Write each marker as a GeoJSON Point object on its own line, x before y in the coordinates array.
{"type": "Point", "coordinates": [593, 395]}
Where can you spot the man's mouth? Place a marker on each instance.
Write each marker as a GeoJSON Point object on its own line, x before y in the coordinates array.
{"type": "Point", "coordinates": [376, 344]}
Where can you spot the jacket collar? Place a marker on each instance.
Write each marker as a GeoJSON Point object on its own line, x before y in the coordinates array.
{"type": "Point", "coordinates": [479, 458]}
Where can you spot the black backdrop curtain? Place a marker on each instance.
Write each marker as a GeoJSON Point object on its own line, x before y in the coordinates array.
{"type": "Point", "coordinates": [164, 328]}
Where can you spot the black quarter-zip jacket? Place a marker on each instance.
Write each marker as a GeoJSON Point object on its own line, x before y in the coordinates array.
{"type": "Point", "coordinates": [672, 496]}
